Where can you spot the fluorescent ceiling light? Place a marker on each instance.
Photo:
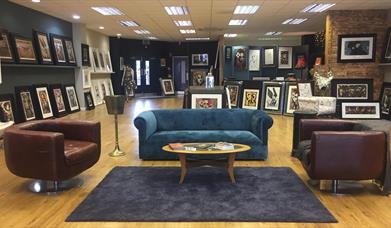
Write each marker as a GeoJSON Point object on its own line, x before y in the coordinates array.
{"type": "Point", "coordinates": [101, 27]}
{"type": "Point", "coordinates": [294, 21]}
{"type": "Point", "coordinates": [142, 31]}
{"type": "Point", "coordinates": [230, 35]}
{"type": "Point", "coordinates": [129, 23]}
{"type": "Point", "coordinates": [119, 34]}
{"type": "Point", "coordinates": [36, 1]}
{"type": "Point", "coordinates": [176, 10]}
{"type": "Point", "coordinates": [273, 33]}
{"type": "Point", "coordinates": [246, 9]}
{"type": "Point", "coordinates": [187, 31]}
{"type": "Point", "coordinates": [76, 17]}
{"type": "Point", "coordinates": [317, 7]}
{"type": "Point", "coordinates": [183, 23]}
{"type": "Point", "coordinates": [107, 11]}
{"type": "Point", "coordinates": [197, 38]}
{"type": "Point", "coordinates": [152, 38]}
{"type": "Point", "coordinates": [237, 22]}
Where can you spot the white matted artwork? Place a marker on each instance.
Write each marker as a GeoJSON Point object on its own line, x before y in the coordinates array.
{"type": "Point", "coordinates": [305, 89]}
{"type": "Point", "coordinates": [72, 98]}
{"type": "Point", "coordinates": [250, 98]}
{"type": "Point", "coordinates": [96, 93]}
{"type": "Point", "coordinates": [292, 99]}
{"type": "Point", "coordinates": [109, 67]}
{"type": "Point", "coordinates": [167, 86]}
{"type": "Point", "coordinates": [285, 57]}
{"type": "Point", "coordinates": [360, 110]}
{"type": "Point", "coordinates": [44, 102]}
{"type": "Point", "coordinates": [254, 60]}
{"type": "Point", "coordinates": [206, 101]}
{"type": "Point", "coordinates": [86, 78]}
{"type": "Point", "coordinates": [110, 86]}
{"type": "Point", "coordinates": [104, 88]}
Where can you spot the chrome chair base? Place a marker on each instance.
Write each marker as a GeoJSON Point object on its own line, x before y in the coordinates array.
{"type": "Point", "coordinates": [53, 187]}
{"type": "Point", "coordinates": [341, 187]}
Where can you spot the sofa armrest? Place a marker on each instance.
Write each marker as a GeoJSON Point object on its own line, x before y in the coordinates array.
{"type": "Point", "coordinates": [146, 124]}
{"type": "Point", "coordinates": [260, 124]}
{"type": "Point", "coordinates": [307, 126]}
{"type": "Point", "coordinates": [349, 155]}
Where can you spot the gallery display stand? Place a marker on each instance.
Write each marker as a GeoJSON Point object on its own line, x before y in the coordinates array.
{"type": "Point", "coordinates": [115, 106]}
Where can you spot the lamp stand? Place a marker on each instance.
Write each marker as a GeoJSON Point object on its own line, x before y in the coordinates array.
{"type": "Point", "coordinates": [117, 151]}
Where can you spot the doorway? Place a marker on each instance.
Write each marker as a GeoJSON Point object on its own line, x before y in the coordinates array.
{"type": "Point", "coordinates": [146, 74]}
{"type": "Point", "coordinates": [180, 66]}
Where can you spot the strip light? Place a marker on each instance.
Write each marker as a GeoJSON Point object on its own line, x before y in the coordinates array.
{"type": "Point", "coordinates": [129, 23]}
{"type": "Point", "coordinates": [237, 22]}
{"type": "Point", "coordinates": [273, 33]}
{"type": "Point", "coordinates": [183, 23]}
{"type": "Point", "coordinates": [142, 31]}
{"type": "Point", "coordinates": [317, 7]}
{"type": "Point", "coordinates": [176, 10]}
{"type": "Point", "coordinates": [197, 38]}
{"type": "Point", "coordinates": [187, 31]}
{"type": "Point", "coordinates": [107, 11]}
{"type": "Point", "coordinates": [294, 21]}
{"type": "Point", "coordinates": [230, 35]}
{"type": "Point", "coordinates": [248, 9]}
{"type": "Point", "coordinates": [152, 38]}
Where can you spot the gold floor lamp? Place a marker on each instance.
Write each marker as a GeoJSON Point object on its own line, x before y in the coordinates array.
{"type": "Point", "coordinates": [115, 106]}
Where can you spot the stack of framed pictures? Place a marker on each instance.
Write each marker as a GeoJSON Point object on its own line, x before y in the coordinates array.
{"type": "Point", "coordinates": [99, 89]}
{"type": "Point", "coordinates": [99, 59]}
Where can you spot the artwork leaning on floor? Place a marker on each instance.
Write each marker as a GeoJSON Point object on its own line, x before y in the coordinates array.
{"type": "Point", "coordinates": [6, 51]}
{"type": "Point", "coordinates": [57, 100]}
{"type": "Point", "coordinates": [386, 58]}
{"type": "Point", "coordinates": [167, 87]}
{"type": "Point", "coordinates": [273, 97]}
{"type": "Point", "coordinates": [250, 99]}
{"type": "Point", "coordinates": [385, 100]}
{"type": "Point", "coordinates": [360, 110]}
{"type": "Point", "coordinates": [206, 101]}
{"type": "Point", "coordinates": [234, 89]}
{"type": "Point", "coordinates": [72, 101]}
{"type": "Point", "coordinates": [352, 89]}
{"type": "Point", "coordinates": [291, 103]}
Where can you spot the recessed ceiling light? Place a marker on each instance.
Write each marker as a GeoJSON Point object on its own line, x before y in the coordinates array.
{"type": "Point", "coordinates": [101, 27]}
{"type": "Point", "coordinates": [273, 33]}
{"type": "Point", "coordinates": [129, 23]}
{"type": "Point", "coordinates": [246, 9]}
{"type": "Point", "coordinates": [187, 31]}
{"type": "Point", "coordinates": [183, 23]}
{"type": "Point", "coordinates": [107, 11]}
{"type": "Point", "coordinates": [176, 10]}
{"type": "Point", "coordinates": [119, 34]}
{"type": "Point", "coordinates": [197, 38]}
{"type": "Point", "coordinates": [294, 21]}
{"type": "Point", "coordinates": [76, 17]}
{"type": "Point", "coordinates": [317, 7]}
{"type": "Point", "coordinates": [36, 1]}
{"type": "Point", "coordinates": [237, 22]}
{"type": "Point", "coordinates": [142, 31]}
{"type": "Point", "coordinates": [152, 38]}
{"type": "Point", "coordinates": [230, 35]}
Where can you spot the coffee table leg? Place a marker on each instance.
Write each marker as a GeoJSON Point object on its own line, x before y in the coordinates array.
{"type": "Point", "coordinates": [230, 168]}
{"type": "Point", "coordinates": [182, 158]}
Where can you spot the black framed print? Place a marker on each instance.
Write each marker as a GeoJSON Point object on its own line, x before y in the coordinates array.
{"type": "Point", "coordinates": [199, 60]}
{"type": "Point", "coordinates": [273, 97]}
{"type": "Point", "coordinates": [228, 54]}
{"type": "Point", "coordinates": [360, 110]}
{"type": "Point", "coordinates": [268, 56]}
{"type": "Point", "coordinates": [305, 88]}
{"type": "Point", "coordinates": [352, 89]}
{"type": "Point", "coordinates": [240, 63]}
{"type": "Point", "coordinates": [385, 100]}
{"type": "Point", "coordinates": [6, 49]}
{"type": "Point", "coordinates": [206, 101]}
{"type": "Point", "coordinates": [198, 77]}
{"type": "Point", "coordinates": [25, 52]}
{"type": "Point", "coordinates": [25, 102]}
{"type": "Point", "coordinates": [356, 48]}
{"type": "Point", "coordinates": [69, 51]}
{"type": "Point", "coordinates": [72, 101]}
{"type": "Point", "coordinates": [291, 102]}
{"type": "Point", "coordinates": [386, 58]}
{"type": "Point", "coordinates": [85, 55]}
{"type": "Point", "coordinates": [285, 57]}
{"type": "Point", "coordinates": [56, 94]}
{"type": "Point", "coordinates": [7, 108]}
{"type": "Point", "coordinates": [43, 47]}
{"type": "Point", "coordinates": [58, 49]}
{"type": "Point", "coordinates": [254, 60]}
{"type": "Point", "coordinates": [234, 89]}
{"type": "Point", "coordinates": [167, 87]}
{"type": "Point", "coordinates": [89, 100]}
{"type": "Point", "coordinates": [43, 101]}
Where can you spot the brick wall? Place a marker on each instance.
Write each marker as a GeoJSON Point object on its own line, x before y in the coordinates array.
{"type": "Point", "coordinates": [355, 22]}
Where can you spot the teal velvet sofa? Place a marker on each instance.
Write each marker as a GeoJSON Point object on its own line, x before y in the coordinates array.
{"type": "Point", "coordinates": [160, 127]}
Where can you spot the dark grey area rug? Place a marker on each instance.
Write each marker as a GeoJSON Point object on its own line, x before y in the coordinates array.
{"type": "Point", "coordinates": [263, 194]}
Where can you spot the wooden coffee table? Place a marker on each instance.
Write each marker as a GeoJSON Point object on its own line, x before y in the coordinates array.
{"type": "Point", "coordinates": [229, 163]}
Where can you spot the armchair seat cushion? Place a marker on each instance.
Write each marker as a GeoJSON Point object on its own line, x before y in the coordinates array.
{"type": "Point", "coordinates": [79, 151]}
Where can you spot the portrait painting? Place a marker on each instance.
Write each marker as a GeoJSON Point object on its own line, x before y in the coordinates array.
{"type": "Point", "coordinates": [250, 98]}
{"type": "Point", "coordinates": [7, 108]}
{"type": "Point", "coordinates": [233, 94]}
{"type": "Point", "coordinates": [254, 60]}
{"type": "Point", "coordinates": [70, 52]}
{"type": "Point", "coordinates": [27, 104]}
{"type": "Point", "coordinates": [59, 100]}
{"type": "Point", "coordinates": [42, 41]}
{"type": "Point", "coordinates": [206, 101]}
{"type": "Point", "coordinates": [72, 98]}
{"type": "Point", "coordinates": [167, 87]}
{"type": "Point", "coordinates": [198, 77]}
{"type": "Point", "coordinates": [6, 54]}
{"type": "Point", "coordinates": [44, 102]}
{"type": "Point", "coordinates": [59, 50]}
{"type": "Point", "coordinates": [241, 59]}
{"type": "Point", "coordinates": [292, 98]}
{"type": "Point", "coordinates": [199, 59]}
{"type": "Point", "coordinates": [89, 100]}
{"type": "Point", "coordinates": [356, 48]}
{"type": "Point", "coordinates": [85, 55]}
{"type": "Point", "coordinates": [25, 50]}
{"type": "Point", "coordinates": [285, 57]}
{"type": "Point", "coordinates": [360, 110]}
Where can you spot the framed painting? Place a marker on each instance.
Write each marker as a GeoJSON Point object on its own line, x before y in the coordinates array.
{"type": "Point", "coordinates": [305, 88]}
{"type": "Point", "coordinates": [72, 100]}
{"type": "Point", "coordinates": [86, 78]}
{"type": "Point", "coordinates": [56, 94]}
{"type": "Point", "coordinates": [167, 87]}
{"type": "Point", "coordinates": [284, 57]}
{"type": "Point", "coordinates": [104, 88]}
{"type": "Point", "coordinates": [42, 96]}
{"type": "Point", "coordinates": [206, 101]}
{"type": "Point", "coordinates": [234, 90]}
{"type": "Point", "coordinates": [109, 86]}
{"type": "Point", "coordinates": [352, 89]}
{"type": "Point", "coordinates": [386, 58]}
{"type": "Point", "coordinates": [89, 100]}
{"type": "Point", "coordinates": [109, 67]}
{"type": "Point", "coordinates": [43, 47]}
{"type": "Point", "coordinates": [25, 102]}
{"type": "Point", "coordinates": [85, 55]}
{"type": "Point", "coordinates": [385, 100]}
{"type": "Point", "coordinates": [268, 56]}
{"type": "Point", "coordinates": [254, 60]}
{"type": "Point", "coordinates": [162, 62]}
{"type": "Point", "coordinates": [291, 103]}
{"type": "Point", "coordinates": [228, 54]}
{"type": "Point", "coordinates": [58, 49]}
{"type": "Point", "coordinates": [25, 52]}
{"type": "Point", "coordinates": [101, 60]}
{"type": "Point", "coordinates": [273, 97]}
{"type": "Point", "coordinates": [240, 59]}
{"type": "Point", "coordinates": [70, 51]}
{"type": "Point", "coordinates": [199, 60]}
{"type": "Point", "coordinates": [356, 48]}
{"type": "Point", "coordinates": [250, 98]}
{"type": "Point", "coordinates": [301, 61]}
{"type": "Point", "coordinates": [96, 93]}
{"type": "Point", "coordinates": [198, 77]}
{"type": "Point", "coordinates": [7, 108]}
{"type": "Point", "coordinates": [360, 110]}
{"type": "Point", "coordinates": [6, 50]}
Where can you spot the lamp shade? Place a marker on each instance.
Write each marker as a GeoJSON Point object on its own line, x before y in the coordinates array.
{"type": "Point", "coordinates": [115, 104]}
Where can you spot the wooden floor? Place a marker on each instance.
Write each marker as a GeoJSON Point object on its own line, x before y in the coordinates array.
{"type": "Point", "coordinates": [20, 208]}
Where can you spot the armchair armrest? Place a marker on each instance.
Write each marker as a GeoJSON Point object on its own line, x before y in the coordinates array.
{"type": "Point", "coordinates": [146, 124]}
{"type": "Point", "coordinates": [307, 126]}
{"type": "Point", "coordinates": [260, 124]}
{"type": "Point", "coordinates": [349, 155]}
{"type": "Point", "coordinates": [79, 130]}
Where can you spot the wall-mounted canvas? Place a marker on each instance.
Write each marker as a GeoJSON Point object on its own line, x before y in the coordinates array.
{"type": "Point", "coordinates": [273, 97]}
{"type": "Point", "coordinates": [386, 58]}
{"type": "Point", "coordinates": [268, 56]}
{"type": "Point", "coordinates": [356, 48]}
{"type": "Point", "coordinates": [291, 103]}
{"type": "Point", "coordinates": [85, 55]}
{"type": "Point", "coordinates": [57, 100]}
{"type": "Point", "coordinates": [206, 101]}
{"type": "Point", "coordinates": [285, 57]}
{"type": "Point", "coordinates": [25, 52]}
{"type": "Point", "coordinates": [58, 49]}
{"type": "Point", "coordinates": [360, 110]}
{"type": "Point", "coordinates": [7, 108]}
{"type": "Point", "coordinates": [250, 98]}
{"type": "Point", "coordinates": [86, 74]}
{"type": "Point", "coordinates": [43, 47]}
{"type": "Point", "coordinates": [240, 59]}
{"type": "Point", "coordinates": [6, 50]}
{"type": "Point", "coordinates": [199, 59]}
{"type": "Point", "coordinates": [254, 60]}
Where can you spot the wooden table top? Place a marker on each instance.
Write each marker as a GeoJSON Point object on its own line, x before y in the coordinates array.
{"type": "Point", "coordinates": [238, 149]}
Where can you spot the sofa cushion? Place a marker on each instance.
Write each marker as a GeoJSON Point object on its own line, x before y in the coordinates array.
{"type": "Point", "coordinates": [243, 137]}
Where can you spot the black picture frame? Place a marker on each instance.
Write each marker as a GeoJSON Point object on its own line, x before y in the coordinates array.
{"type": "Point", "coordinates": [89, 100]}
{"type": "Point", "coordinates": [291, 102]}
{"type": "Point", "coordinates": [56, 94]}
{"type": "Point", "coordinates": [336, 83]}
{"type": "Point", "coordinates": [58, 49]}
{"type": "Point", "coordinates": [8, 111]}
{"type": "Point", "coordinates": [233, 86]}
{"type": "Point", "coordinates": [358, 51]}
{"type": "Point", "coordinates": [69, 51]}
{"type": "Point", "coordinates": [385, 101]}
{"type": "Point", "coordinates": [228, 54]}
{"type": "Point", "coordinates": [359, 111]}
{"type": "Point", "coordinates": [7, 50]}
{"type": "Point", "coordinates": [68, 98]}
{"type": "Point", "coordinates": [25, 103]}
{"type": "Point", "coordinates": [251, 85]}
{"type": "Point", "coordinates": [85, 55]}
{"type": "Point", "coordinates": [386, 56]}
{"type": "Point", "coordinates": [17, 41]}
{"type": "Point", "coordinates": [41, 39]}
{"type": "Point", "coordinates": [42, 103]}
{"type": "Point", "coordinates": [263, 56]}
{"type": "Point", "coordinates": [273, 97]}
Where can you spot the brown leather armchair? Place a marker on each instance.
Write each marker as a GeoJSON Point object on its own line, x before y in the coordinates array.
{"type": "Point", "coordinates": [52, 150]}
{"type": "Point", "coordinates": [341, 150]}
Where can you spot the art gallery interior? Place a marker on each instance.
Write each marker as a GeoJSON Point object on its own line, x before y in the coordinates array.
{"type": "Point", "coordinates": [195, 113]}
